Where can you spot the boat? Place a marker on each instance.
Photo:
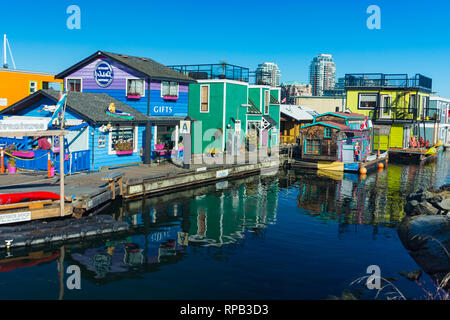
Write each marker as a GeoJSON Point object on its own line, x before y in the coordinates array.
{"type": "Point", "coordinates": [117, 113]}
{"type": "Point", "coordinates": [10, 198]}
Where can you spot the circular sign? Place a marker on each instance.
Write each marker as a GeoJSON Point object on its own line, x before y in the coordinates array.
{"type": "Point", "coordinates": [103, 74]}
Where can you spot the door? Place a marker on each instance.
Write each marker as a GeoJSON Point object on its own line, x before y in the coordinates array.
{"type": "Point", "coordinates": [347, 153]}
{"type": "Point", "coordinates": [385, 112]}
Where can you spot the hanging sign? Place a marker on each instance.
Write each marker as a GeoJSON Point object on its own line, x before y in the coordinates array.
{"type": "Point", "coordinates": [103, 74]}
{"type": "Point", "coordinates": [185, 127]}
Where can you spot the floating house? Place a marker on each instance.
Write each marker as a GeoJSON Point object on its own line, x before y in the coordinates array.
{"type": "Point", "coordinates": [230, 114]}
{"type": "Point", "coordinates": [292, 117]}
{"type": "Point", "coordinates": [331, 140]}
{"type": "Point", "coordinates": [441, 129]}
{"type": "Point", "coordinates": [148, 102]}
{"type": "Point", "coordinates": [18, 84]}
{"type": "Point", "coordinates": [96, 139]}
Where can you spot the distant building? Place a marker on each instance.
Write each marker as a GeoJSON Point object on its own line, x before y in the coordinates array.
{"type": "Point", "coordinates": [322, 104]}
{"type": "Point", "coordinates": [268, 73]}
{"type": "Point", "coordinates": [322, 74]}
{"type": "Point", "coordinates": [294, 89]}
{"type": "Point", "coordinates": [18, 84]}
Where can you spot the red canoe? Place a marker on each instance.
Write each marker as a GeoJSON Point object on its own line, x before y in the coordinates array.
{"type": "Point", "coordinates": [9, 198]}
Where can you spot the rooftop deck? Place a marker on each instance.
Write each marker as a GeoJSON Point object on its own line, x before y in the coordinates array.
{"type": "Point", "coordinates": [393, 81]}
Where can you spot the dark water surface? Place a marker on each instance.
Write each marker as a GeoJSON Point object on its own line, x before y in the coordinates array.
{"type": "Point", "coordinates": [294, 235]}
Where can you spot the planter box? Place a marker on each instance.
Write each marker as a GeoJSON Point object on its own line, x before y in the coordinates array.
{"type": "Point", "coordinates": [133, 96]}
{"type": "Point", "coordinates": [170, 98]}
{"type": "Point", "coordinates": [125, 152]}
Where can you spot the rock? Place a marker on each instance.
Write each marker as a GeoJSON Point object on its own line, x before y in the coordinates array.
{"type": "Point", "coordinates": [411, 275]}
{"type": "Point", "coordinates": [444, 204]}
{"type": "Point", "coordinates": [425, 208]}
{"type": "Point", "coordinates": [426, 237]}
{"type": "Point", "coordinates": [410, 206]}
{"type": "Point", "coordinates": [445, 187]}
{"type": "Point", "coordinates": [435, 200]}
{"type": "Point", "coordinates": [348, 295]}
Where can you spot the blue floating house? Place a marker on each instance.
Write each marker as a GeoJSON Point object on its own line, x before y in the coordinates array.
{"type": "Point", "coordinates": [120, 109]}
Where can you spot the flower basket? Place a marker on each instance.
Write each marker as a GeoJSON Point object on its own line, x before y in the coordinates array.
{"type": "Point", "coordinates": [133, 96]}
{"type": "Point", "coordinates": [124, 152]}
{"type": "Point", "coordinates": [170, 98]}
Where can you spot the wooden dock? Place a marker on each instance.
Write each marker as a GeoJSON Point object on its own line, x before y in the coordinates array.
{"type": "Point", "coordinates": [89, 192]}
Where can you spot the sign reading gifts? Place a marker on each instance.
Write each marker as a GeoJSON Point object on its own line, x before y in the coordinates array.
{"type": "Point", "coordinates": [159, 110]}
{"type": "Point", "coordinates": [103, 73]}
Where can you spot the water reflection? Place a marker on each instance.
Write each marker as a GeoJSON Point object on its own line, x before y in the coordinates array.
{"type": "Point", "coordinates": [279, 216]}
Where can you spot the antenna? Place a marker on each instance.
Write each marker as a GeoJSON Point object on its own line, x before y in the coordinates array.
{"type": "Point", "coordinates": [5, 43]}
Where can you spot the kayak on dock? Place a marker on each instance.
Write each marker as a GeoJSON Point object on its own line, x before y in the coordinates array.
{"type": "Point", "coordinates": [10, 198]}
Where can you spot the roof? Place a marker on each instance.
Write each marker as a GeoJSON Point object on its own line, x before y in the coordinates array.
{"type": "Point", "coordinates": [91, 106]}
{"type": "Point", "coordinates": [332, 124]}
{"type": "Point", "coordinates": [346, 115]}
{"type": "Point", "coordinates": [143, 65]}
{"type": "Point", "coordinates": [27, 71]}
{"type": "Point", "coordinates": [299, 113]}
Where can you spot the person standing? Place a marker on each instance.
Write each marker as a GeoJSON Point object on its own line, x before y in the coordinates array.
{"type": "Point", "coordinates": [357, 151]}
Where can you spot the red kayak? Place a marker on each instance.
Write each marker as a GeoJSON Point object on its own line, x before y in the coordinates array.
{"type": "Point", "coordinates": [9, 198]}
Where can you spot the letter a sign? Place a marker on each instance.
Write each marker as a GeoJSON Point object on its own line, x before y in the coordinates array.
{"type": "Point", "coordinates": [185, 127]}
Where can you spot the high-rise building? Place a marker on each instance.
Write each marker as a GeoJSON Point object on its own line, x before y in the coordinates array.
{"type": "Point", "coordinates": [268, 73]}
{"type": "Point", "coordinates": [322, 74]}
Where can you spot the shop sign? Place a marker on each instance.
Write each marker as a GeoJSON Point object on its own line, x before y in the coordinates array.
{"type": "Point", "coordinates": [20, 125]}
{"type": "Point", "coordinates": [162, 110]}
{"type": "Point", "coordinates": [185, 127]}
{"type": "Point", "coordinates": [103, 74]}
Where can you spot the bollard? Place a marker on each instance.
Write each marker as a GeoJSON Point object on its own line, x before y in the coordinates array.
{"type": "Point", "coordinates": [49, 166]}
{"type": "Point", "coordinates": [2, 160]}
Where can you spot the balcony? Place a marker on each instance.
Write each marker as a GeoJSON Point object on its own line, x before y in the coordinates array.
{"type": "Point", "coordinates": [391, 81]}
{"type": "Point", "coordinates": [213, 71]}
{"type": "Point", "coordinates": [402, 114]}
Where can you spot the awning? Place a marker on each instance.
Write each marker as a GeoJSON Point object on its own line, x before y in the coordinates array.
{"type": "Point", "coordinates": [270, 120]}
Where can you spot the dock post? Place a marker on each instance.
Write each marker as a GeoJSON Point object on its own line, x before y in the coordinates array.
{"type": "Point", "coordinates": [61, 173]}
{"type": "Point", "coordinates": [2, 160]}
{"type": "Point", "coordinates": [49, 166]}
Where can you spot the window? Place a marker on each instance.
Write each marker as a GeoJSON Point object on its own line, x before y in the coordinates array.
{"type": "Point", "coordinates": [312, 146]}
{"type": "Point", "coordinates": [412, 103]}
{"type": "Point", "coordinates": [169, 89]}
{"type": "Point", "coordinates": [122, 139]}
{"type": "Point", "coordinates": [73, 85]}
{"type": "Point", "coordinates": [367, 101]}
{"type": "Point", "coordinates": [51, 85]}
{"type": "Point", "coordinates": [135, 87]}
{"type": "Point", "coordinates": [204, 103]}
{"type": "Point", "coordinates": [266, 102]}
{"type": "Point", "coordinates": [327, 133]}
{"type": "Point", "coordinates": [33, 87]}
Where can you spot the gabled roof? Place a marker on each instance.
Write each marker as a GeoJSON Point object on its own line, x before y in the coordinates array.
{"type": "Point", "coordinates": [332, 124]}
{"type": "Point", "coordinates": [145, 66]}
{"type": "Point", "coordinates": [90, 106]}
{"type": "Point", "coordinates": [345, 115]}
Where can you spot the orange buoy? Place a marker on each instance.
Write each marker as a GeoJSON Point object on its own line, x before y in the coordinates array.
{"type": "Point", "coordinates": [363, 170]}
{"type": "Point", "coordinates": [380, 165]}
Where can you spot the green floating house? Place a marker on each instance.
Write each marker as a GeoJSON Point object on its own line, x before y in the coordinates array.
{"type": "Point", "coordinates": [230, 114]}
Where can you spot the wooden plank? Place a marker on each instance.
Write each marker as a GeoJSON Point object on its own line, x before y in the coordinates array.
{"type": "Point", "coordinates": [35, 204]}
{"type": "Point", "coordinates": [113, 176]}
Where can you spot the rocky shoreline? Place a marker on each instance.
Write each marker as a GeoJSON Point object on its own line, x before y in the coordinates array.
{"type": "Point", "coordinates": [425, 230]}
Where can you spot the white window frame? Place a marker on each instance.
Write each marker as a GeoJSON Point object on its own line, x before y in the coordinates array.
{"type": "Point", "coordinates": [35, 87]}
{"type": "Point", "coordinates": [126, 85]}
{"type": "Point", "coordinates": [266, 94]}
{"type": "Point", "coordinates": [367, 94]}
{"type": "Point", "coordinates": [209, 97]}
{"type": "Point", "coordinates": [178, 87]}
{"type": "Point", "coordinates": [74, 78]}
{"type": "Point", "coordinates": [135, 139]}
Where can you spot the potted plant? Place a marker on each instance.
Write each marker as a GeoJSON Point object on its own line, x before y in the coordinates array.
{"type": "Point", "coordinates": [170, 97]}
{"type": "Point", "coordinates": [52, 169]}
{"type": "Point", "coordinates": [12, 165]}
{"type": "Point", "coordinates": [123, 148]}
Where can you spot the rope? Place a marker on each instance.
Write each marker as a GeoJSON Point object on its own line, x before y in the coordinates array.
{"type": "Point", "coordinates": [46, 154]}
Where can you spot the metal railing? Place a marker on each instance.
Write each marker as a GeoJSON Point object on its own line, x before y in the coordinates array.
{"type": "Point", "coordinates": [404, 114]}
{"type": "Point", "coordinates": [382, 80]}
{"type": "Point", "coordinates": [213, 71]}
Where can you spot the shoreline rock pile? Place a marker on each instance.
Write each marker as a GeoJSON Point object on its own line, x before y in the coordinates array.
{"type": "Point", "coordinates": [425, 230]}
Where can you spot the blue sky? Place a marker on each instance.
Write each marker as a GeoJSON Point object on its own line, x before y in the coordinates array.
{"type": "Point", "coordinates": [414, 35]}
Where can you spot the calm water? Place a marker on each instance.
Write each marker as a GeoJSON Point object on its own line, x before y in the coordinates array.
{"type": "Point", "coordinates": [295, 235]}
